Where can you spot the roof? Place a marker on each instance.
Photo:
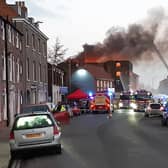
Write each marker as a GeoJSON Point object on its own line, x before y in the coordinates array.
{"type": "Point", "coordinates": [78, 94]}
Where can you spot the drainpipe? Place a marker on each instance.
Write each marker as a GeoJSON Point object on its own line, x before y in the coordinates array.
{"type": "Point", "coordinates": [6, 67]}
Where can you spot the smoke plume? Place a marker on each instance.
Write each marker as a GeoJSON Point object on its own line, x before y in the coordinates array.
{"type": "Point", "coordinates": [138, 41]}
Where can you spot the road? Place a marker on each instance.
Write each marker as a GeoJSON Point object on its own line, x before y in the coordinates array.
{"type": "Point", "coordinates": [92, 141]}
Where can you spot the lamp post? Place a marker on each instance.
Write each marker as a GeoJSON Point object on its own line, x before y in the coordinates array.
{"type": "Point", "coordinates": [69, 73]}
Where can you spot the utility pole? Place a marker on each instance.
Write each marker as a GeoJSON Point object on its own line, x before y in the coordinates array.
{"type": "Point", "coordinates": [69, 72]}
{"type": "Point", "coordinates": [6, 67]}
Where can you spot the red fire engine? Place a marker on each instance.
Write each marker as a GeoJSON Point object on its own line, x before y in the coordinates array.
{"type": "Point", "coordinates": [126, 100]}
{"type": "Point", "coordinates": [100, 102]}
{"type": "Point", "coordinates": [142, 99]}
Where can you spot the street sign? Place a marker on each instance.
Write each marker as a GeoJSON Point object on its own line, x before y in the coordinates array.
{"type": "Point", "coordinates": [63, 90]}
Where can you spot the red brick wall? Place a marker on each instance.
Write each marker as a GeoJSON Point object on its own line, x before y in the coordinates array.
{"type": "Point", "coordinates": [6, 10]}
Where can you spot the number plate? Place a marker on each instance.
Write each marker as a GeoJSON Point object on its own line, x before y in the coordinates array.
{"type": "Point", "coordinates": [36, 135]}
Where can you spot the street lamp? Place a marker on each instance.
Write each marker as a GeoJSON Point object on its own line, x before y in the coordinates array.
{"type": "Point", "coordinates": [83, 80]}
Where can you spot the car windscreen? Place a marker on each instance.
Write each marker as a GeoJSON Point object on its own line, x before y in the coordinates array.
{"type": "Point", "coordinates": [126, 97]}
{"type": "Point", "coordinates": [155, 106]}
{"type": "Point", "coordinates": [33, 121]}
{"type": "Point", "coordinates": [35, 108]}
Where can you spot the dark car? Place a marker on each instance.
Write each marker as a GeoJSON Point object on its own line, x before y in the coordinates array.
{"type": "Point", "coordinates": [164, 120]}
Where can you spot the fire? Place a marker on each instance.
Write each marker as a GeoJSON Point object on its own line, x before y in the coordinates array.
{"type": "Point", "coordinates": [105, 58]}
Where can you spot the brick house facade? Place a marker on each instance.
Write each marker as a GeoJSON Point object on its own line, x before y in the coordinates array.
{"type": "Point", "coordinates": [10, 54]}
{"type": "Point", "coordinates": [27, 60]}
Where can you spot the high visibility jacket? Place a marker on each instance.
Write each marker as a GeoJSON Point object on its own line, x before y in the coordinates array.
{"type": "Point", "coordinates": [63, 108]}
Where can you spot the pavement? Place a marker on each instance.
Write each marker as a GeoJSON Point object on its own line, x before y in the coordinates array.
{"type": "Point", "coordinates": [4, 147]}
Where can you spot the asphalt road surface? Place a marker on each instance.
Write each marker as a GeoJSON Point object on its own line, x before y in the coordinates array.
{"type": "Point", "coordinates": [92, 141]}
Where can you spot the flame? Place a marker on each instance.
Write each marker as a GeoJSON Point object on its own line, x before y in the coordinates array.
{"type": "Point", "coordinates": [105, 58]}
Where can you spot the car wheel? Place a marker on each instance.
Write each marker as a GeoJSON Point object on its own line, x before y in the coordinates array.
{"type": "Point", "coordinates": [13, 154]}
{"type": "Point", "coordinates": [164, 122]}
{"type": "Point", "coordinates": [59, 149]}
{"type": "Point", "coordinates": [146, 115]}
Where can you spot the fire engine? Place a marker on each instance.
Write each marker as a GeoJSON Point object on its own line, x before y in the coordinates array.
{"type": "Point", "coordinates": [100, 102]}
{"type": "Point", "coordinates": [142, 99]}
{"type": "Point", "coordinates": [126, 100]}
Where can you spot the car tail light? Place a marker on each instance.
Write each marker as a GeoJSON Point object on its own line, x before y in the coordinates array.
{"type": "Point", "coordinates": [56, 131]}
{"type": "Point", "coordinates": [11, 135]}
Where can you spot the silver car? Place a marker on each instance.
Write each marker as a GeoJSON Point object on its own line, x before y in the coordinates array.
{"type": "Point", "coordinates": [33, 131]}
{"type": "Point", "coordinates": [154, 109]}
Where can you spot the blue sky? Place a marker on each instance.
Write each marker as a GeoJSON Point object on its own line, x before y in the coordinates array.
{"type": "Point", "coordinates": [77, 22]}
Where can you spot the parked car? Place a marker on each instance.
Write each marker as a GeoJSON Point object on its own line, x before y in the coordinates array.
{"type": "Point", "coordinates": [61, 116]}
{"type": "Point", "coordinates": [154, 109]}
{"type": "Point", "coordinates": [35, 130]}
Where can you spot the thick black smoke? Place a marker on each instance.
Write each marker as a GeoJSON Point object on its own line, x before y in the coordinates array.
{"type": "Point", "coordinates": [138, 40]}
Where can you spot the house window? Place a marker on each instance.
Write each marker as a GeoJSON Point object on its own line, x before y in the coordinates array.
{"type": "Point", "coordinates": [17, 71]}
{"type": "Point", "coordinates": [101, 83]}
{"type": "Point", "coordinates": [27, 38]}
{"type": "Point", "coordinates": [9, 34]}
{"type": "Point", "coordinates": [3, 66]}
{"type": "Point", "coordinates": [3, 29]}
{"type": "Point", "coordinates": [27, 69]}
{"type": "Point", "coordinates": [4, 112]}
{"type": "Point", "coordinates": [13, 69]}
{"type": "Point", "coordinates": [97, 83]}
{"type": "Point", "coordinates": [111, 84]}
{"type": "Point", "coordinates": [13, 37]}
{"type": "Point", "coordinates": [118, 64]}
{"type": "Point", "coordinates": [10, 67]}
{"type": "Point", "coordinates": [44, 50]}
{"type": "Point", "coordinates": [39, 49]}
{"type": "Point", "coordinates": [33, 41]}
{"type": "Point", "coordinates": [21, 69]}
{"type": "Point", "coordinates": [34, 70]}
{"type": "Point", "coordinates": [105, 84]}
{"type": "Point", "coordinates": [40, 72]}
{"type": "Point", "coordinates": [17, 40]}
{"type": "Point", "coordinates": [20, 45]}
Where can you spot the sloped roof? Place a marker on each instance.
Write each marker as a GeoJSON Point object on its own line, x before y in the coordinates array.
{"type": "Point", "coordinates": [78, 94]}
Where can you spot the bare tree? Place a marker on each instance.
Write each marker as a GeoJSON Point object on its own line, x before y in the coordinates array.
{"type": "Point", "coordinates": [57, 53]}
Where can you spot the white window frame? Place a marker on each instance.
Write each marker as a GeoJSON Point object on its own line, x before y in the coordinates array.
{"type": "Point", "coordinates": [17, 40]}
{"type": "Point", "coordinates": [18, 70]}
{"type": "Point", "coordinates": [10, 67]}
{"type": "Point", "coordinates": [13, 37]}
{"type": "Point", "coordinates": [3, 29]}
{"type": "Point", "coordinates": [34, 70]}
{"type": "Point", "coordinates": [28, 69]}
{"type": "Point", "coordinates": [9, 33]}
{"type": "Point", "coordinates": [27, 38]}
{"type": "Point", "coordinates": [13, 69]}
{"type": "Point", "coordinates": [40, 73]}
{"type": "Point", "coordinates": [4, 66]}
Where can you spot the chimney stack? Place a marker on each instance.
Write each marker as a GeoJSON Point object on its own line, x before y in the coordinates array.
{"type": "Point", "coordinates": [20, 3]}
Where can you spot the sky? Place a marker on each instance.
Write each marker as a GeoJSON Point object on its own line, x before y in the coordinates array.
{"type": "Point", "coordinates": [76, 22]}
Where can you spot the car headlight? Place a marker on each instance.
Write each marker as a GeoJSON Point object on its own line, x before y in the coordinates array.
{"type": "Point", "coordinates": [120, 104]}
{"type": "Point", "coordinates": [133, 105]}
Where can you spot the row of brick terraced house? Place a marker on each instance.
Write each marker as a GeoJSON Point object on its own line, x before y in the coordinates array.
{"type": "Point", "coordinates": [23, 60]}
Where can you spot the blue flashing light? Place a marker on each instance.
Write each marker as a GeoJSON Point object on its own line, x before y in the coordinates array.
{"type": "Point", "coordinates": [90, 94]}
{"type": "Point", "coordinates": [91, 97]}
